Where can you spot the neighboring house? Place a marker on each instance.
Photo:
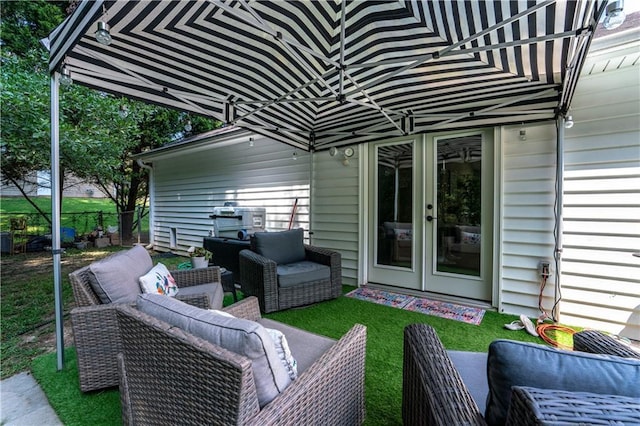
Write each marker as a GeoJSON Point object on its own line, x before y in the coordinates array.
{"type": "Point", "coordinates": [466, 215]}
{"type": "Point", "coordinates": [39, 184]}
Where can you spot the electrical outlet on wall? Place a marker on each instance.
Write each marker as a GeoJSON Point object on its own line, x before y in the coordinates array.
{"type": "Point", "coordinates": [544, 268]}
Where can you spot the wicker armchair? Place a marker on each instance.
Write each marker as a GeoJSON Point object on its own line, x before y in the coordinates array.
{"type": "Point", "coordinates": [435, 394]}
{"type": "Point", "coordinates": [259, 277]}
{"type": "Point", "coordinates": [95, 328]}
{"type": "Point", "coordinates": [170, 377]}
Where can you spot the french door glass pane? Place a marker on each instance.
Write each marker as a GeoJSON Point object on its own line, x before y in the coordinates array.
{"type": "Point", "coordinates": [459, 205]}
{"type": "Point", "coordinates": [395, 205]}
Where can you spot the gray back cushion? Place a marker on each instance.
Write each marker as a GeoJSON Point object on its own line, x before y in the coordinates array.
{"type": "Point", "coordinates": [527, 364]}
{"type": "Point", "coordinates": [281, 247]}
{"type": "Point", "coordinates": [115, 279]}
{"type": "Point", "coordinates": [241, 336]}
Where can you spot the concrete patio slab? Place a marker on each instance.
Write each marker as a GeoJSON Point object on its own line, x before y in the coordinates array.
{"type": "Point", "coordinates": [22, 402]}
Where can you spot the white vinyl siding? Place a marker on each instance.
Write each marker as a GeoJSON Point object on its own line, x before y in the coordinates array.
{"type": "Point", "coordinates": [335, 220]}
{"type": "Point", "coordinates": [188, 185]}
{"type": "Point", "coordinates": [528, 185]}
{"type": "Point", "coordinates": [601, 278]}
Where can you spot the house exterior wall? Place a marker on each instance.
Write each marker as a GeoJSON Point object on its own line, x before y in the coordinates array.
{"type": "Point", "coordinates": [335, 209]}
{"type": "Point", "coordinates": [188, 186]}
{"type": "Point", "coordinates": [527, 217]}
{"type": "Point", "coordinates": [600, 275]}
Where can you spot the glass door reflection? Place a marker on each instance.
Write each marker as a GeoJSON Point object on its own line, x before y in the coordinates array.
{"type": "Point", "coordinates": [394, 192]}
{"type": "Point", "coordinates": [459, 205]}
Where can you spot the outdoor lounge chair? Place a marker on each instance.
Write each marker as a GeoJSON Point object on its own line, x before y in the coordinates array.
{"type": "Point", "coordinates": [283, 272]}
{"type": "Point", "coordinates": [171, 376]}
{"type": "Point", "coordinates": [530, 384]}
{"type": "Point", "coordinates": [95, 328]}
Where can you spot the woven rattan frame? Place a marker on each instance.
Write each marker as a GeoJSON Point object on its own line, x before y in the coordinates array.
{"type": "Point", "coordinates": [95, 329]}
{"type": "Point", "coordinates": [258, 278]}
{"type": "Point", "coordinates": [434, 394]}
{"type": "Point", "coordinates": [533, 407]}
{"type": "Point", "coordinates": [169, 377]}
{"type": "Point", "coordinates": [596, 342]}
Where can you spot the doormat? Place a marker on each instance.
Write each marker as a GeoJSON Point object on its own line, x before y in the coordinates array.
{"type": "Point", "coordinates": [380, 297]}
{"type": "Point", "coordinates": [446, 310]}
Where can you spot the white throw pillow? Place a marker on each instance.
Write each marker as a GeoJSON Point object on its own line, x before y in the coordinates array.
{"type": "Point", "coordinates": [281, 344]}
{"type": "Point", "coordinates": [284, 353]}
{"type": "Point", "coordinates": [159, 281]}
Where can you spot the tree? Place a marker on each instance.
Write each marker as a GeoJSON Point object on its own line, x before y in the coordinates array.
{"type": "Point", "coordinates": [96, 142]}
{"type": "Point", "coordinates": [125, 182]}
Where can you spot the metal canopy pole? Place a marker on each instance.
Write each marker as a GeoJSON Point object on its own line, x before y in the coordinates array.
{"type": "Point", "coordinates": [55, 217]}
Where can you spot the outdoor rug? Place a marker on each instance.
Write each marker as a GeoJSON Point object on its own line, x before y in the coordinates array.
{"type": "Point", "coordinates": [447, 310]}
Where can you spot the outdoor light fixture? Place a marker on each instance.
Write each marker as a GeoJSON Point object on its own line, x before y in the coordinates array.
{"type": "Point", "coordinates": [188, 127]}
{"type": "Point", "coordinates": [102, 34]}
{"type": "Point", "coordinates": [615, 15]}
{"type": "Point", "coordinates": [346, 154]}
{"type": "Point", "coordinates": [295, 155]}
{"type": "Point", "coordinates": [568, 122]}
{"type": "Point", "coordinates": [65, 77]}
{"type": "Point", "coordinates": [523, 135]}
{"type": "Point", "coordinates": [123, 112]}
{"type": "Point", "coordinates": [250, 141]}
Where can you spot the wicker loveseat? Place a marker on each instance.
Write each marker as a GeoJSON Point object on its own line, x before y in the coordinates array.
{"type": "Point", "coordinates": [283, 273]}
{"type": "Point", "coordinates": [95, 329]}
{"type": "Point", "coordinates": [169, 376]}
{"type": "Point", "coordinates": [435, 388]}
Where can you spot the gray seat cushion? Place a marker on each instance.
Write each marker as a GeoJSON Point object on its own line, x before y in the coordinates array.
{"type": "Point", "coordinates": [281, 247]}
{"type": "Point", "coordinates": [513, 363]}
{"type": "Point", "coordinates": [292, 274]}
{"type": "Point", "coordinates": [472, 367]}
{"type": "Point", "coordinates": [213, 290]}
{"type": "Point", "coordinates": [305, 347]}
{"type": "Point", "coordinates": [115, 279]}
{"type": "Point", "coordinates": [241, 336]}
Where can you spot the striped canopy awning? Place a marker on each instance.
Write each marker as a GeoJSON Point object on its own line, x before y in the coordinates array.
{"type": "Point", "coordinates": [316, 74]}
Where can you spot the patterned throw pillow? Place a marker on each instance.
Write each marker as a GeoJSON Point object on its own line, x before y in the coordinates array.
{"type": "Point", "coordinates": [470, 238]}
{"type": "Point", "coordinates": [159, 280]}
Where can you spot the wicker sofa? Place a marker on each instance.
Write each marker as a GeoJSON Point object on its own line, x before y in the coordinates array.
{"type": "Point", "coordinates": [283, 273]}
{"type": "Point", "coordinates": [95, 329]}
{"type": "Point", "coordinates": [170, 376]}
{"type": "Point", "coordinates": [435, 388]}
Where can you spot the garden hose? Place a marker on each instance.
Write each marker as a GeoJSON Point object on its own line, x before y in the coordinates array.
{"type": "Point", "coordinates": [543, 329]}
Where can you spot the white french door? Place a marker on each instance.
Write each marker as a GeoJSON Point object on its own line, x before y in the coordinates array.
{"type": "Point", "coordinates": [394, 217]}
{"type": "Point", "coordinates": [430, 213]}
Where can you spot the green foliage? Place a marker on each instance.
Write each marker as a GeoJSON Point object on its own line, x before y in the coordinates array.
{"type": "Point", "coordinates": [96, 143]}
{"type": "Point", "coordinates": [25, 22]}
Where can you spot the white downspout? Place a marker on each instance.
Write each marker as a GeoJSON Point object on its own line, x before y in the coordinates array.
{"type": "Point", "coordinates": [152, 198]}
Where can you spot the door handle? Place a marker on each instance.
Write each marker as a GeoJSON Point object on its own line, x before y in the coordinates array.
{"type": "Point", "coordinates": [430, 218]}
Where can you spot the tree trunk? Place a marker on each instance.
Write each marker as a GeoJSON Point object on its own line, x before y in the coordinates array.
{"type": "Point", "coordinates": [126, 226]}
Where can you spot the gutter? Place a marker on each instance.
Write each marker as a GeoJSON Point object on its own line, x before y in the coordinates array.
{"type": "Point", "coordinates": [217, 138]}
{"type": "Point", "coordinates": [152, 197]}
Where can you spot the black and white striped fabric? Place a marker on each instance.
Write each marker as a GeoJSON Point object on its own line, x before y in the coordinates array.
{"type": "Point", "coordinates": [316, 74]}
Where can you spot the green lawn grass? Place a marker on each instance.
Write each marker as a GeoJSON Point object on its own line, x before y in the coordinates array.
{"type": "Point", "coordinates": [27, 309]}
{"type": "Point", "coordinates": [81, 214]}
{"type": "Point", "coordinates": [383, 376]}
